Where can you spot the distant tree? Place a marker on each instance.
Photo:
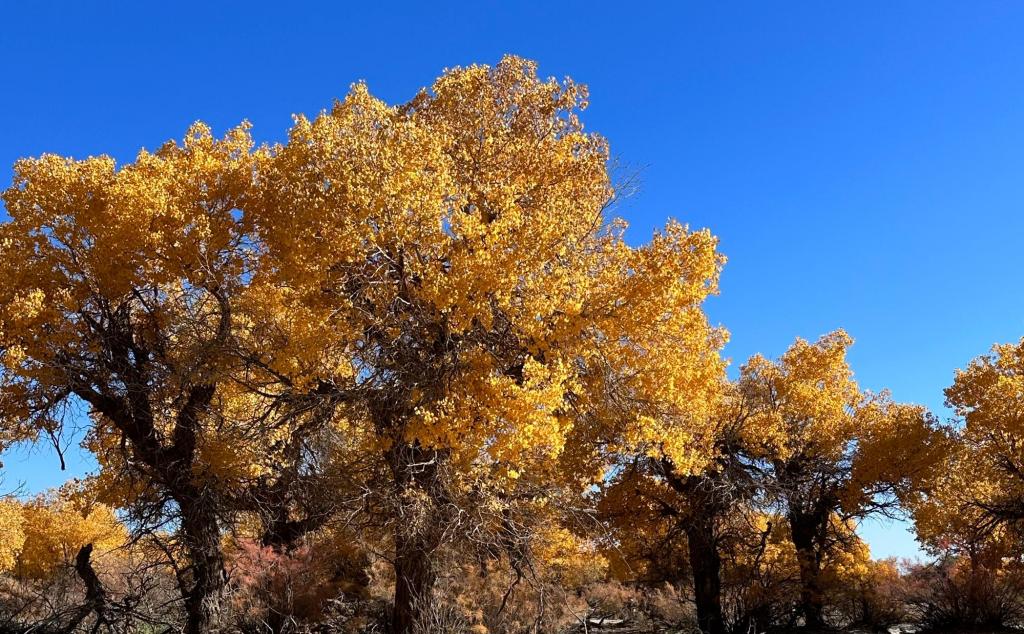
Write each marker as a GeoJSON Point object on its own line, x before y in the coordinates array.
{"type": "Point", "coordinates": [834, 454]}
{"type": "Point", "coordinates": [675, 523]}
{"type": "Point", "coordinates": [57, 525]}
{"type": "Point", "coordinates": [988, 396]}
{"type": "Point", "coordinates": [968, 512]}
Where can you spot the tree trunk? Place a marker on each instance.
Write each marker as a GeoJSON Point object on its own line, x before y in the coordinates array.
{"type": "Point", "coordinates": [414, 583]}
{"type": "Point", "coordinates": [812, 601]}
{"type": "Point", "coordinates": [95, 594]}
{"type": "Point", "coordinates": [200, 533]}
{"type": "Point", "coordinates": [706, 564]}
{"type": "Point", "coordinates": [418, 532]}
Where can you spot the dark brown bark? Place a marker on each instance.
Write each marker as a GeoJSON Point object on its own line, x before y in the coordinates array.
{"type": "Point", "coordinates": [805, 530]}
{"type": "Point", "coordinates": [207, 577]}
{"type": "Point", "coordinates": [200, 528]}
{"type": "Point", "coordinates": [706, 502]}
{"type": "Point", "coordinates": [282, 533]}
{"type": "Point", "coordinates": [204, 580]}
{"type": "Point", "coordinates": [706, 564]}
{"type": "Point", "coordinates": [95, 594]}
{"type": "Point", "coordinates": [418, 532]}
{"type": "Point", "coordinates": [293, 504]}
{"type": "Point", "coordinates": [414, 582]}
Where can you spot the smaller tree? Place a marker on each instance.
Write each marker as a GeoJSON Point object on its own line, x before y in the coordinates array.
{"type": "Point", "coordinates": [12, 534]}
{"type": "Point", "coordinates": [673, 523]}
{"type": "Point", "coordinates": [834, 454]}
{"type": "Point", "coordinates": [57, 525]}
{"type": "Point", "coordinates": [975, 580]}
{"type": "Point", "coordinates": [988, 396]}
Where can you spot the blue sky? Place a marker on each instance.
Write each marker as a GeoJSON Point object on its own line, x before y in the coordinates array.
{"type": "Point", "coordinates": [862, 164]}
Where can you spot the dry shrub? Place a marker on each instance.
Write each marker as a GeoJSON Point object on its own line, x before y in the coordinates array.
{"type": "Point", "coordinates": [670, 606]}
{"type": "Point", "coordinates": [445, 618]}
{"type": "Point", "coordinates": [958, 593]}
{"type": "Point", "coordinates": [282, 591]}
{"type": "Point", "coordinates": [141, 596]}
{"type": "Point", "coordinates": [492, 598]}
{"type": "Point", "coordinates": [874, 600]}
{"type": "Point", "coordinates": [612, 599]}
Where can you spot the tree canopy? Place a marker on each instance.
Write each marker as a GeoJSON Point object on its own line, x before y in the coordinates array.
{"type": "Point", "coordinates": [412, 339]}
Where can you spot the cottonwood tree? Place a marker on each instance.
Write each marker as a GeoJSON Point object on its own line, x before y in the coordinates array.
{"type": "Point", "coordinates": [988, 397]}
{"type": "Point", "coordinates": [975, 578]}
{"type": "Point", "coordinates": [125, 289]}
{"type": "Point", "coordinates": [425, 305]}
{"type": "Point", "coordinates": [950, 513]}
{"type": "Point", "coordinates": [967, 512]}
{"type": "Point", "coordinates": [834, 454]}
{"type": "Point", "coordinates": [653, 505]}
{"type": "Point", "coordinates": [473, 307]}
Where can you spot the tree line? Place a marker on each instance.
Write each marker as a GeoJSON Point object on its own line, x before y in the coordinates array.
{"type": "Point", "coordinates": [404, 367]}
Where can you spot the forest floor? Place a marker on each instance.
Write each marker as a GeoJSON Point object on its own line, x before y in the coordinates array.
{"type": "Point", "coordinates": [621, 626]}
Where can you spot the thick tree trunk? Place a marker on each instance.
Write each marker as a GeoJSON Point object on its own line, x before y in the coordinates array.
{"type": "Point", "coordinates": [417, 533]}
{"type": "Point", "coordinates": [706, 563]}
{"type": "Point", "coordinates": [414, 583]}
{"type": "Point", "coordinates": [705, 507]}
{"type": "Point", "coordinates": [200, 533]}
{"type": "Point", "coordinates": [812, 600]}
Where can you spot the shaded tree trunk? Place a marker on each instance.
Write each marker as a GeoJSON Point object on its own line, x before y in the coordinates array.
{"type": "Point", "coordinates": [706, 564]}
{"type": "Point", "coordinates": [207, 577]}
{"type": "Point", "coordinates": [705, 504]}
{"type": "Point", "coordinates": [414, 582]}
{"type": "Point", "coordinates": [95, 593]}
{"type": "Point", "coordinates": [418, 532]}
{"type": "Point", "coordinates": [804, 530]}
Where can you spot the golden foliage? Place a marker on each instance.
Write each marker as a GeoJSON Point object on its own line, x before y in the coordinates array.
{"type": "Point", "coordinates": [465, 232]}
{"type": "Point", "coordinates": [12, 533]}
{"type": "Point", "coordinates": [43, 535]}
{"type": "Point", "coordinates": [435, 291]}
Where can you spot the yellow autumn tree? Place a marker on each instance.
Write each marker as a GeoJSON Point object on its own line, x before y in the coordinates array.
{"type": "Point", "coordinates": [824, 459]}
{"type": "Point", "coordinates": [968, 512]}
{"type": "Point", "coordinates": [672, 522]}
{"type": "Point", "coordinates": [124, 288]}
{"type": "Point", "coordinates": [762, 570]}
{"type": "Point", "coordinates": [831, 449]}
{"type": "Point", "coordinates": [948, 518]}
{"type": "Point", "coordinates": [472, 304]}
{"type": "Point", "coordinates": [12, 534]}
{"type": "Point", "coordinates": [976, 554]}
{"type": "Point", "coordinates": [988, 397]}
{"type": "Point", "coordinates": [57, 524]}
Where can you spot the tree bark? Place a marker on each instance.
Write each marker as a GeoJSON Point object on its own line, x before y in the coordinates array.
{"type": "Point", "coordinates": [706, 564]}
{"type": "Point", "coordinates": [705, 507]}
{"type": "Point", "coordinates": [812, 600]}
{"type": "Point", "coordinates": [95, 594]}
{"type": "Point", "coordinates": [414, 582]}
{"type": "Point", "coordinates": [200, 533]}
{"type": "Point", "coordinates": [418, 532]}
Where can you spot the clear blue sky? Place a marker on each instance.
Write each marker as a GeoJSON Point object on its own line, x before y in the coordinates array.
{"type": "Point", "coordinates": [862, 164]}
